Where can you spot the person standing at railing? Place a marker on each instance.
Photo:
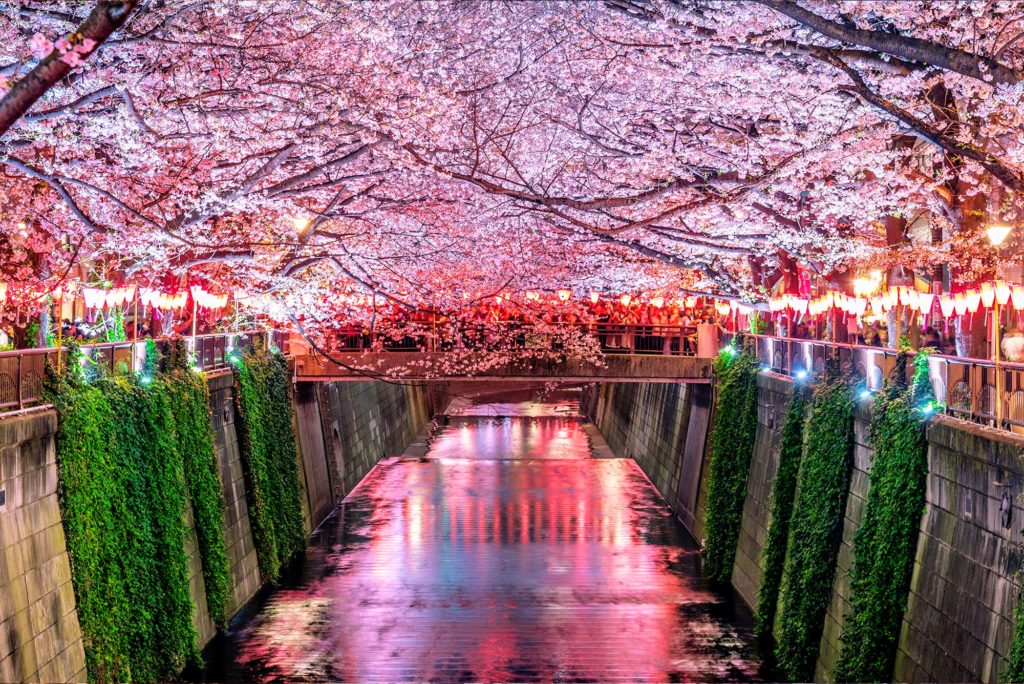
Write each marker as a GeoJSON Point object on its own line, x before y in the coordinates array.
{"type": "Point", "coordinates": [673, 335]}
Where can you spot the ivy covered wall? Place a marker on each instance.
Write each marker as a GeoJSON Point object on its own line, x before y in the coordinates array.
{"type": "Point", "coordinates": [816, 526]}
{"type": "Point", "coordinates": [120, 452]}
{"type": "Point", "coordinates": [732, 444]}
{"type": "Point", "coordinates": [270, 458]}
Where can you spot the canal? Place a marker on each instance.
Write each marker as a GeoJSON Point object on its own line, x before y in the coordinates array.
{"type": "Point", "coordinates": [516, 549]}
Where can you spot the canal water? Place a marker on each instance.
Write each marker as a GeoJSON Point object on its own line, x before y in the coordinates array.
{"type": "Point", "coordinates": [516, 550]}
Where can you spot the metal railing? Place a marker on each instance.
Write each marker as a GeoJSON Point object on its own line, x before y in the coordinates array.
{"type": "Point", "coordinates": [612, 338]}
{"type": "Point", "coordinates": [966, 387]}
{"type": "Point", "coordinates": [22, 372]}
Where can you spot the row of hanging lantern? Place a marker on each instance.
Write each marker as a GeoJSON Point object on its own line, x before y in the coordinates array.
{"type": "Point", "coordinates": [958, 304]}
{"type": "Point", "coordinates": [208, 300]}
{"type": "Point", "coordinates": [100, 298]}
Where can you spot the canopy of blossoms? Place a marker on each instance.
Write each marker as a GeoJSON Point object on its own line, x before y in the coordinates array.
{"type": "Point", "coordinates": [313, 152]}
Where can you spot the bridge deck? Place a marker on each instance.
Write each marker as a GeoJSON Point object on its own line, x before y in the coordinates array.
{"type": "Point", "coordinates": [444, 365]}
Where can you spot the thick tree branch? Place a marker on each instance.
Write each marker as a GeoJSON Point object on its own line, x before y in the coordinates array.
{"type": "Point", "coordinates": [905, 47]}
{"type": "Point", "coordinates": [1009, 177]}
{"type": "Point", "coordinates": [106, 17]}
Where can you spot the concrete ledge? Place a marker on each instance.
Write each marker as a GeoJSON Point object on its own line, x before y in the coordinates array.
{"type": "Point", "coordinates": [998, 448]}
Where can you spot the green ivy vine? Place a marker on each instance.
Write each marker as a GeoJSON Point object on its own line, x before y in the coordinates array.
{"type": "Point", "coordinates": [732, 445]}
{"type": "Point", "coordinates": [1014, 669]}
{"type": "Point", "coordinates": [190, 397]}
{"type": "Point", "coordinates": [270, 458]}
{"type": "Point", "coordinates": [816, 525]}
{"type": "Point", "coordinates": [886, 541]}
{"type": "Point", "coordinates": [773, 555]}
{"type": "Point", "coordinates": [122, 487]}
{"type": "Point", "coordinates": [133, 454]}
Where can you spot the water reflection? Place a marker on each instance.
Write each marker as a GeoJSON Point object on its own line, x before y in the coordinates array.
{"type": "Point", "coordinates": [508, 554]}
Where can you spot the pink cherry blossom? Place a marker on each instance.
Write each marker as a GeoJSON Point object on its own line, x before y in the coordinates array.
{"type": "Point", "coordinates": [40, 46]}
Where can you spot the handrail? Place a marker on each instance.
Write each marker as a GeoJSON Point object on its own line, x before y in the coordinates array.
{"type": "Point", "coordinates": [964, 387]}
{"type": "Point", "coordinates": [22, 371]}
{"type": "Point", "coordinates": [613, 338]}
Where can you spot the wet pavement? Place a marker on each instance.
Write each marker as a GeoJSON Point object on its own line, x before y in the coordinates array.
{"type": "Point", "coordinates": [508, 554]}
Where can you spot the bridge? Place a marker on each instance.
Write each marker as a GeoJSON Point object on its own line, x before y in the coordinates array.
{"type": "Point", "coordinates": [425, 366]}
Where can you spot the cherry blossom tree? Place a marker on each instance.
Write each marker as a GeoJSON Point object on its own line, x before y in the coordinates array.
{"type": "Point", "coordinates": [425, 150]}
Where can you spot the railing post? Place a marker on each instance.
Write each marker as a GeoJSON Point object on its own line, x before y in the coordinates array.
{"type": "Point", "coordinates": [21, 403]}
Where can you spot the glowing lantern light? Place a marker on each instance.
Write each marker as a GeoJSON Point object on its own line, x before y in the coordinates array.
{"type": "Point", "coordinates": [988, 295]}
{"type": "Point", "coordinates": [733, 305]}
{"type": "Point", "coordinates": [798, 305]}
{"type": "Point", "coordinates": [722, 308]}
{"type": "Point", "coordinates": [532, 297]}
{"type": "Point", "coordinates": [908, 298]}
{"type": "Point", "coordinates": [625, 299]}
{"type": "Point", "coordinates": [960, 304]}
{"type": "Point", "coordinates": [998, 233]}
{"type": "Point", "coordinates": [595, 297]}
{"type": "Point", "coordinates": [876, 304]}
{"type": "Point", "coordinates": [946, 303]}
{"type": "Point", "coordinates": [1002, 293]}
{"type": "Point", "coordinates": [925, 301]}
{"type": "Point", "coordinates": [860, 305]}
{"type": "Point", "coordinates": [498, 299]}
{"type": "Point", "coordinates": [300, 223]}
{"type": "Point", "coordinates": [691, 302]}
{"type": "Point", "coordinates": [1017, 295]}
{"type": "Point", "coordinates": [973, 298]}
{"type": "Point", "coordinates": [3, 292]}
{"type": "Point", "coordinates": [564, 295]}
{"type": "Point", "coordinates": [658, 302]}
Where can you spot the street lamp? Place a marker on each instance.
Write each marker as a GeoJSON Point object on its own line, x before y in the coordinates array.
{"type": "Point", "coordinates": [997, 234]}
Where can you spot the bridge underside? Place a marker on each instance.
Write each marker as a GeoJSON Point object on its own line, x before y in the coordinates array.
{"type": "Point", "coordinates": [482, 366]}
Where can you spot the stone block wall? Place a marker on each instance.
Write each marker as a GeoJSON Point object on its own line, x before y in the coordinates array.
{"type": "Point", "coordinates": [648, 423]}
{"type": "Point", "coordinates": [40, 639]}
{"type": "Point", "coordinates": [856, 498]}
{"type": "Point", "coordinates": [966, 581]}
{"type": "Point", "coordinates": [774, 393]}
{"type": "Point", "coordinates": [245, 573]}
{"type": "Point", "coordinates": [366, 421]}
{"type": "Point", "coordinates": [960, 616]}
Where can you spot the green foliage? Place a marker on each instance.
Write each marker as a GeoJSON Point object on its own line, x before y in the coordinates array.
{"type": "Point", "coordinates": [270, 458]}
{"type": "Point", "coordinates": [732, 444]}
{"type": "Point", "coordinates": [115, 331]}
{"type": "Point", "coordinates": [773, 555]}
{"type": "Point", "coordinates": [816, 526]}
{"type": "Point", "coordinates": [152, 362]}
{"type": "Point", "coordinates": [123, 496]}
{"type": "Point", "coordinates": [885, 543]}
{"type": "Point", "coordinates": [132, 455]}
{"type": "Point", "coordinates": [190, 399]}
{"type": "Point", "coordinates": [1014, 669]}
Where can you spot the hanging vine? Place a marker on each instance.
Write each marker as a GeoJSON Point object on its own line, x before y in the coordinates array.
{"type": "Point", "coordinates": [816, 525]}
{"type": "Point", "coordinates": [773, 556]}
{"type": "Point", "coordinates": [270, 458]}
{"type": "Point", "coordinates": [122, 488]}
{"type": "Point", "coordinates": [732, 444]}
{"type": "Point", "coordinates": [190, 401]}
{"type": "Point", "coordinates": [886, 542]}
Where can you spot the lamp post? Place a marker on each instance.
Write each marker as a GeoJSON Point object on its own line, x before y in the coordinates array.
{"type": "Point", "coordinates": [997, 234]}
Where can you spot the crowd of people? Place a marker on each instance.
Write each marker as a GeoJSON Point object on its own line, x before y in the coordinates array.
{"type": "Point", "coordinates": [657, 327]}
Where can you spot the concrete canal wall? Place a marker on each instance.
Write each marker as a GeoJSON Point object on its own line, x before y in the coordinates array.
{"type": "Point", "coordinates": [959, 621]}
{"type": "Point", "coordinates": [342, 429]}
